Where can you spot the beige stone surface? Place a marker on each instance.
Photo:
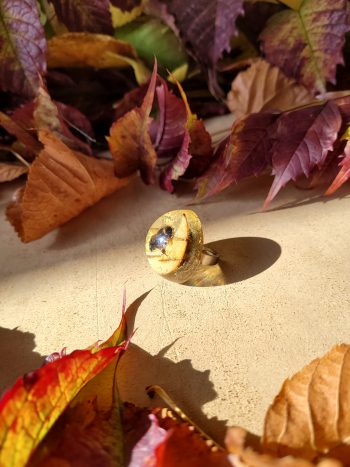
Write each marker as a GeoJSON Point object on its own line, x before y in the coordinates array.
{"type": "Point", "coordinates": [221, 352]}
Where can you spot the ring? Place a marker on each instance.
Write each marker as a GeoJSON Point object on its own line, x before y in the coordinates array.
{"type": "Point", "coordinates": [174, 246]}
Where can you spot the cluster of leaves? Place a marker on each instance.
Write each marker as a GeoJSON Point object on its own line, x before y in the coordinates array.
{"type": "Point", "coordinates": [68, 412]}
{"type": "Point", "coordinates": [76, 75]}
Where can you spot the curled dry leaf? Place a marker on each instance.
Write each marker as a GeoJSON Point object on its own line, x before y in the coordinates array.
{"type": "Point", "coordinates": [298, 41]}
{"type": "Point", "coordinates": [82, 49]}
{"type": "Point", "coordinates": [264, 87]}
{"type": "Point", "coordinates": [61, 184]}
{"type": "Point", "coordinates": [129, 140]}
{"type": "Point", "coordinates": [10, 171]}
{"type": "Point", "coordinates": [310, 416]}
{"type": "Point", "coordinates": [22, 47]}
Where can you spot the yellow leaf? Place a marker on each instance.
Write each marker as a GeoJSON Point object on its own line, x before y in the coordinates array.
{"type": "Point", "coordinates": [83, 49]}
{"type": "Point", "coordinates": [120, 18]}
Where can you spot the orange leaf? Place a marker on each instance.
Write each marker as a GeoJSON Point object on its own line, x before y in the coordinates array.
{"type": "Point", "coordinates": [61, 184]}
{"type": "Point", "coordinates": [129, 141]}
{"type": "Point", "coordinates": [264, 87]}
{"type": "Point", "coordinates": [21, 134]}
{"type": "Point", "coordinates": [344, 172]}
{"type": "Point", "coordinates": [10, 171]}
{"type": "Point", "coordinates": [310, 416]}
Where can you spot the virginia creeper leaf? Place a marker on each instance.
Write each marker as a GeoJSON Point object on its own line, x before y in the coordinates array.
{"type": "Point", "coordinates": [84, 15]}
{"type": "Point", "coordinates": [10, 171]}
{"type": "Point", "coordinates": [126, 5]}
{"type": "Point", "coordinates": [302, 139]}
{"type": "Point", "coordinates": [310, 415]}
{"type": "Point", "coordinates": [129, 141]}
{"type": "Point", "coordinates": [245, 153]}
{"type": "Point", "coordinates": [31, 407]}
{"type": "Point", "coordinates": [344, 172]}
{"type": "Point", "coordinates": [206, 27]}
{"type": "Point", "coordinates": [306, 44]}
{"type": "Point", "coordinates": [178, 166]}
{"type": "Point", "coordinates": [22, 47]}
{"type": "Point", "coordinates": [264, 87]}
{"type": "Point", "coordinates": [61, 184]}
{"type": "Point", "coordinates": [82, 49]}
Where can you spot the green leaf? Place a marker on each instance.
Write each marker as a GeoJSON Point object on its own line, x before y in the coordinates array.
{"type": "Point", "coordinates": [307, 43]}
{"type": "Point", "coordinates": [152, 38]}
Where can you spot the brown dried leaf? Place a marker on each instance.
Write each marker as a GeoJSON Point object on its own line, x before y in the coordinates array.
{"type": "Point", "coordinates": [61, 184]}
{"type": "Point", "coordinates": [310, 416]}
{"type": "Point", "coordinates": [10, 171]}
{"type": "Point", "coordinates": [264, 87]}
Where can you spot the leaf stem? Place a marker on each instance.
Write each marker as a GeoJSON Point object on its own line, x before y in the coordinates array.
{"type": "Point", "coordinates": [155, 389]}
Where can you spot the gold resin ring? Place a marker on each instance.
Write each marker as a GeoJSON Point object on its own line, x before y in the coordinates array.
{"type": "Point", "coordinates": [174, 246]}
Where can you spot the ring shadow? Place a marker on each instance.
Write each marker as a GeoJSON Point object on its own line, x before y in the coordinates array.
{"type": "Point", "coordinates": [244, 257]}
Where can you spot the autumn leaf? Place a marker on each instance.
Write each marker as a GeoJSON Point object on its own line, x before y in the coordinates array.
{"type": "Point", "coordinates": [264, 87]}
{"type": "Point", "coordinates": [206, 27]}
{"type": "Point", "coordinates": [35, 402]}
{"type": "Point", "coordinates": [344, 172]}
{"type": "Point", "coordinates": [126, 5]}
{"type": "Point", "coordinates": [306, 43]}
{"type": "Point", "coordinates": [245, 153]}
{"type": "Point", "coordinates": [30, 143]}
{"type": "Point", "coordinates": [10, 171]}
{"type": "Point", "coordinates": [310, 416]}
{"type": "Point", "coordinates": [79, 50]}
{"type": "Point", "coordinates": [22, 47]}
{"type": "Point", "coordinates": [130, 142]}
{"type": "Point", "coordinates": [61, 184]}
{"type": "Point", "coordinates": [84, 15]}
{"type": "Point", "coordinates": [302, 139]}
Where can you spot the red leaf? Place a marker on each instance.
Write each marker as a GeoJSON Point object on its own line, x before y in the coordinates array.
{"type": "Point", "coordinates": [22, 47]}
{"type": "Point", "coordinates": [84, 15]}
{"type": "Point", "coordinates": [302, 140]}
{"type": "Point", "coordinates": [178, 166]}
{"type": "Point", "coordinates": [344, 173]}
{"type": "Point", "coordinates": [129, 141]}
{"type": "Point", "coordinates": [245, 153]}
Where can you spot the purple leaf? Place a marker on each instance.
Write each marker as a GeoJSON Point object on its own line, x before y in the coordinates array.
{"type": "Point", "coordinates": [84, 15]}
{"type": "Point", "coordinates": [169, 128]}
{"type": "Point", "coordinates": [307, 43]}
{"type": "Point", "coordinates": [126, 5]}
{"type": "Point", "coordinates": [22, 47]}
{"type": "Point", "coordinates": [206, 27]}
{"type": "Point", "coordinates": [178, 166]}
{"type": "Point", "coordinates": [246, 152]}
{"type": "Point", "coordinates": [302, 139]}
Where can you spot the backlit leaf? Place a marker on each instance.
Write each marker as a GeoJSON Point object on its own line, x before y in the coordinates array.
{"type": "Point", "coordinates": [22, 47]}
{"type": "Point", "coordinates": [79, 50]}
{"type": "Point", "coordinates": [344, 172]}
{"type": "Point", "coordinates": [61, 184]}
{"type": "Point", "coordinates": [310, 415]}
{"type": "Point", "coordinates": [264, 87]}
{"type": "Point", "coordinates": [306, 44]}
{"type": "Point", "coordinates": [129, 140]}
{"type": "Point", "coordinates": [84, 15]}
{"type": "Point", "coordinates": [302, 139]}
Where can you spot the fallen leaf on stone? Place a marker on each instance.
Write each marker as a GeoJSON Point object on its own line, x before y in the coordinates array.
{"type": "Point", "coordinates": [10, 171]}
{"type": "Point", "coordinates": [298, 41]}
{"type": "Point", "coordinates": [82, 49]}
{"type": "Point", "coordinates": [309, 418]}
{"type": "Point", "coordinates": [264, 87]}
{"type": "Point", "coordinates": [61, 184]}
{"type": "Point", "coordinates": [30, 409]}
